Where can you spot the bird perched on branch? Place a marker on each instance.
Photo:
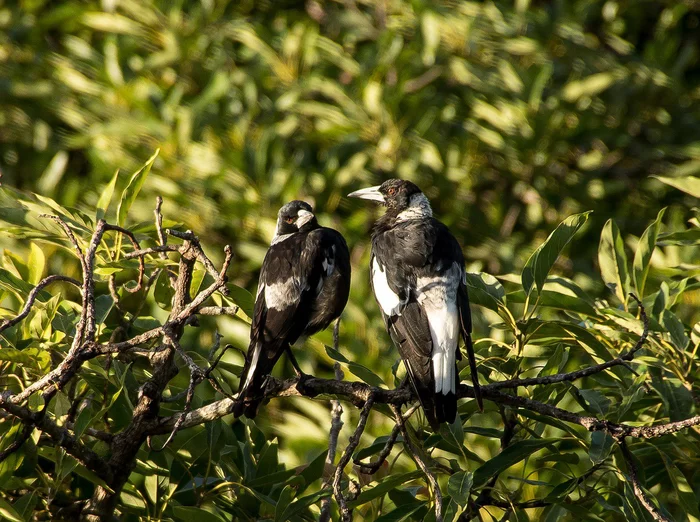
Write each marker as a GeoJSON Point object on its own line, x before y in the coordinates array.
{"type": "Point", "coordinates": [304, 286]}
{"type": "Point", "coordinates": [419, 281]}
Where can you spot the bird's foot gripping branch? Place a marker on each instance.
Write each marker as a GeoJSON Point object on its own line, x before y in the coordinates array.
{"type": "Point", "coordinates": [107, 410]}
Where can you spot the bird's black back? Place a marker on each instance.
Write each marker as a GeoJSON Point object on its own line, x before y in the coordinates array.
{"type": "Point", "coordinates": [406, 251]}
{"type": "Point", "coordinates": [312, 267]}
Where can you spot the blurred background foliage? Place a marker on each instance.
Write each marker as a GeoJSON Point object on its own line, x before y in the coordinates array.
{"type": "Point", "coordinates": [511, 116]}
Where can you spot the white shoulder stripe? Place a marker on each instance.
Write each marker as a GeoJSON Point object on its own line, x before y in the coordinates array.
{"type": "Point", "coordinates": [390, 303]}
{"type": "Point", "coordinates": [282, 294]}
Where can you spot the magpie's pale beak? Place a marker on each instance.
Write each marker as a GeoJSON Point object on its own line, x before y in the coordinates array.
{"type": "Point", "coordinates": [370, 193]}
{"type": "Point", "coordinates": [303, 217]}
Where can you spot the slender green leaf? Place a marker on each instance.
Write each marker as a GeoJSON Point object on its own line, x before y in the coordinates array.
{"type": "Point", "coordinates": [356, 369]}
{"type": "Point", "coordinates": [459, 486]}
{"type": "Point", "coordinates": [681, 238]}
{"type": "Point", "coordinates": [7, 512]}
{"type": "Point", "coordinates": [689, 184]}
{"type": "Point", "coordinates": [133, 188]}
{"type": "Point", "coordinates": [601, 446]}
{"type": "Point", "coordinates": [384, 486]}
{"type": "Point", "coordinates": [190, 514]}
{"type": "Point", "coordinates": [642, 256]}
{"type": "Point", "coordinates": [684, 491]}
{"type": "Point", "coordinates": [513, 454]}
{"type": "Point", "coordinates": [543, 258]}
{"type": "Point", "coordinates": [613, 261]}
{"type": "Point", "coordinates": [106, 197]}
{"type": "Point", "coordinates": [36, 263]}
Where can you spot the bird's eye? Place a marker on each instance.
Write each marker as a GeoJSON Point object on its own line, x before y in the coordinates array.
{"type": "Point", "coordinates": [290, 220]}
{"type": "Point", "coordinates": [391, 191]}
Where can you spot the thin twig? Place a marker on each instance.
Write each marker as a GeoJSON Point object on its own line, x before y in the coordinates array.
{"type": "Point", "coordinates": [410, 448]}
{"type": "Point", "coordinates": [7, 323]}
{"type": "Point", "coordinates": [345, 458]}
{"type": "Point", "coordinates": [370, 468]}
{"type": "Point", "coordinates": [637, 486]}
{"type": "Point", "coordinates": [336, 426]}
{"type": "Point", "coordinates": [69, 233]}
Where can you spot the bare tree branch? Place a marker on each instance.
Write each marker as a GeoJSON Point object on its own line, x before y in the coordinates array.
{"type": "Point", "coordinates": [637, 486]}
{"type": "Point", "coordinates": [345, 513]}
{"type": "Point", "coordinates": [336, 426]}
{"type": "Point", "coordinates": [31, 298]}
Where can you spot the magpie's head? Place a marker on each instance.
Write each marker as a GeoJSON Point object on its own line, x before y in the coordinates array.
{"type": "Point", "coordinates": [395, 194]}
{"type": "Point", "coordinates": [294, 216]}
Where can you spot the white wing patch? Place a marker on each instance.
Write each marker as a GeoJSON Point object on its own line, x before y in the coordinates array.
{"type": "Point", "coordinates": [280, 295]}
{"type": "Point", "coordinates": [437, 295]}
{"type": "Point", "coordinates": [388, 299]}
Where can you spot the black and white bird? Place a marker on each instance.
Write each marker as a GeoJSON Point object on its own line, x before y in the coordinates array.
{"type": "Point", "coordinates": [418, 278]}
{"type": "Point", "coordinates": [304, 286]}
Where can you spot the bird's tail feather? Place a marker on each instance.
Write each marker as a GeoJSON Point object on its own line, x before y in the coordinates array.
{"type": "Point", "coordinates": [251, 391]}
{"type": "Point", "coordinates": [473, 371]}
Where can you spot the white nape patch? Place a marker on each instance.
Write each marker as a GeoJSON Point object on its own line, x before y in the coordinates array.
{"type": "Point", "coordinates": [280, 295]}
{"type": "Point", "coordinates": [437, 295]}
{"type": "Point", "coordinates": [389, 301]}
{"type": "Point", "coordinates": [279, 239]}
{"type": "Point", "coordinates": [418, 208]}
{"type": "Point", "coordinates": [253, 364]}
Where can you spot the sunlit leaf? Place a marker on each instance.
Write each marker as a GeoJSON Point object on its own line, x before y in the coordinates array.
{"type": "Point", "coordinates": [542, 260]}
{"type": "Point", "coordinates": [132, 190]}
{"type": "Point", "coordinates": [613, 261]}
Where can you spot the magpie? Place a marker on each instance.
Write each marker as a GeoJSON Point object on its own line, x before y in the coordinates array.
{"type": "Point", "coordinates": [304, 286]}
{"type": "Point", "coordinates": [419, 281]}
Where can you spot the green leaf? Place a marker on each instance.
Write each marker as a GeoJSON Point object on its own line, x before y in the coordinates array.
{"type": "Point", "coordinates": [36, 263]}
{"type": "Point", "coordinates": [302, 503]}
{"type": "Point", "coordinates": [678, 401]}
{"type": "Point", "coordinates": [384, 486]}
{"type": "Point", "coordinates": [356, 369]}
{"type": "Point", "coordinates": [133, 188]}
{"type": "Point", "coordinates": [313, 471]}
{"type": "Point", "coordinates": [242, 298]}
{"type": "Point", "coordinates": [543, 258]}
{"type": "Point", "coordinates": [613, 261]}
{"type": "Point", "coordinates": [283, 503]}
{"type": "Point", "coordinates": [689, 184]}
{"type": "Point", "coordinates": [459, 485]}
{"type": "Point", "coordinates": [597, 402]}
{"type": "Point", "coordinates": [683, 489]}
{"type": "Point", "coordinates": [557, 300]}
{"type": "Point", "coordinates": [485, 290]}
{"type": "Point", "coordinates": [151, 485]}
{"type": "Point", "coordinates": [106, 197]}
{"type": "Point", "coordinates": [7, 512]}
{"type": "Point", "coordinates": [190, 514]}
{"type": "Point", "coordinates": [675, 328]}
{"type": "Point", "coordinates": [163, 292]}
{"type": "Point", "coordinates": [513, 454]}
{"type": "Point", "coordinates": [601, 445]}
{"type": "Point", "coordinates": [682, 238]}
{"type": "Point", "coordinates": [642, 256]}
{"type": "Point", "coordinates": [402, 513]}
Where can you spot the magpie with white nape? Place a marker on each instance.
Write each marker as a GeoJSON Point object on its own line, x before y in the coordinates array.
{"type": "Point", "coordinates": [304, 286]}
{"type": "Point", "coordinates": [419, 281]}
